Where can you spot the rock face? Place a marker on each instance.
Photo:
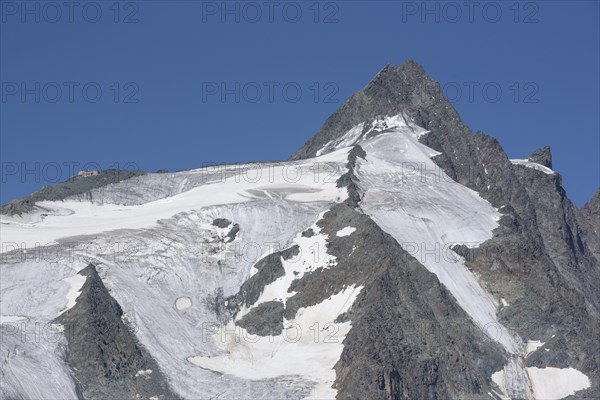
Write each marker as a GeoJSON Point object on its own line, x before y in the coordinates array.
{"type": "Point", "coordinates": [409, 338]}
{"type": "Point", "coordinates": [589, 219]}
{"type": "Point", "coordinates": [269, 270]}
{"type": "Point", "coordinates": [349, 179]}
{"type": "Point", "coordinates": [264, 320]}
{"type": "Point", "coordinates": [103, 352]}
{"type": "Point", "coordinates": [542, 156]}
{"type": "Point", "coordinates": [477, 161]}
{"type": "Point", "coordinates": [543, 259]}
{"type": "Point", "coordinates": [408, 90]}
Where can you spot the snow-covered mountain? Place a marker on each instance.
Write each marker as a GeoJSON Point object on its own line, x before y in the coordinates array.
{"type": "Point", "coordinates": [396, 255]}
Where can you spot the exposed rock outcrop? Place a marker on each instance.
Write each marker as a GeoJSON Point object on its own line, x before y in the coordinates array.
{"type": "Point", "coordinates": [103, 352]}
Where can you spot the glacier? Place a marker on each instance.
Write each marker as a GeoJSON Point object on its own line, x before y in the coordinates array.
{"type": "Point", "coordinates": [159, 253]}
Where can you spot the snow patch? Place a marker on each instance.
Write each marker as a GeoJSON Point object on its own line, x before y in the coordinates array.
{"type": "Point", "coordinates": [532, 346]}
{"type": "Point", "coordinates": [348, 140]}
{"type": "Point", "coordinates": [75, 284]}
{"type": "Point", "coordinates": [347, 231]}
{"type": "Point", "coordinates": [144, 373]}
{"type": "Point", "coordinates": [498, 379]}
{"type": "Point", "coordinates": [322, 149]}
{"type": "Point", "coordinates": [423, 133]}
{"type": "Point", "coordinates": [556, 383]}
{"type": "Point", "coordinates": [544, 383]}
{"type": "Point", "coordinates": [183, 303]}
{"type": "Point", "coordinates": [533, 165]}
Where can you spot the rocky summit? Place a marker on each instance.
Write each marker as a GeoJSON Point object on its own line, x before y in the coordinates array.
{"type": "Point", "coordinates": [396, 255]}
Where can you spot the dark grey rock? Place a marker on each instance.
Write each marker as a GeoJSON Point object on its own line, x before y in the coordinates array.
{"type": "Point", "coordinates": [588, 218]}
{"type": "Point", "coordinates": [349, 180]}
{"type": "Point", "coordinates": [103, 352]}
{"type": "Point", "coordinates": [290, 252]}
{"type": "Point", "coordinates": [232, 234]}
{"type": "Point", "coordinates": [542, 156]}
{"type": "Point", "coordinates": [346, 180]}
{"type": "Point", "coordinates": [355, 153]}
{"type": "Point", "coordinates": [266, 319]}
{"type": "Point", "coordinates": [269, 269]}
{"type": "Point", "coordinates": [592, 393]}
{"type": "Point", "coordinates": [308, 233]}
{"type": "Point", "coordinates": [409, 338]}
{"type": "Point", "coordinates": [537, 260]}
{"type": "Point", "coordinates": [221, 222]}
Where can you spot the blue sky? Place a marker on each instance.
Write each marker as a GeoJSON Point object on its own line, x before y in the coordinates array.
{"type": "Point", "coordinates": [177, 84]}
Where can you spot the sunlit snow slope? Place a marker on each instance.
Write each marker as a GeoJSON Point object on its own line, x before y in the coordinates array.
{"type": "Point", "coordinates": [428, 213]}
{"type": "Point", "coordinates": [165, 260]}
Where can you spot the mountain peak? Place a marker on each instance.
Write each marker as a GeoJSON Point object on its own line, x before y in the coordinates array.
{"type": "Point", "coordinates": [407, 68]}
{"type": "Point", "coordinates": [411, 67]}
{"type": "Point", "coordinates": [542, 156]}
{"type": "Point", "coordinates": [406, 89]}
{"type": "Point", "coordinates": [593, 205]}
{"type": "Point", "coordinates": [404, 79]}
{"type": "Point", "coordinates": [388, 68]}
